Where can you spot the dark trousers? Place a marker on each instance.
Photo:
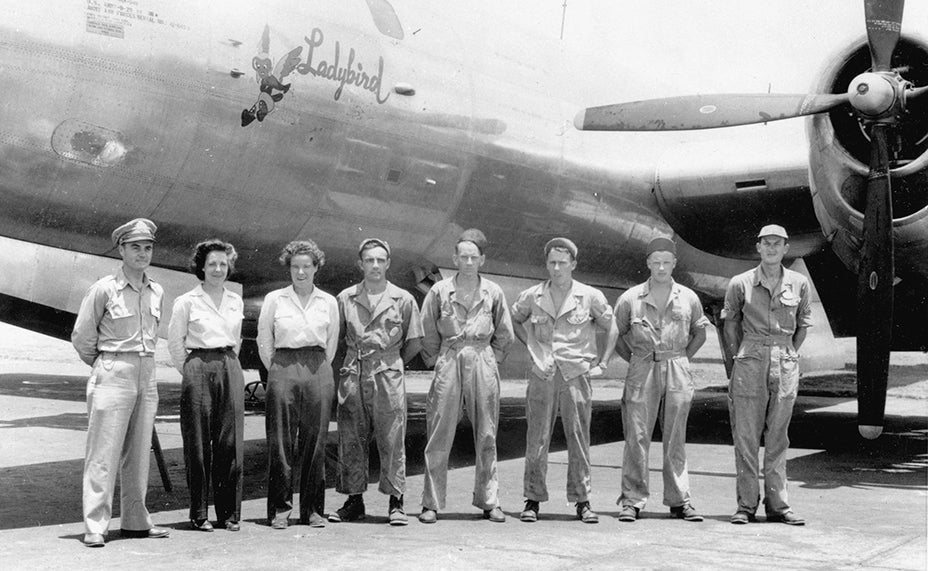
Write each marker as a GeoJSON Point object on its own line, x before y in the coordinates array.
{"type": "Point", "coordinates": [300, 389]}
{"type": "Point", "coordinates": [212, 421]}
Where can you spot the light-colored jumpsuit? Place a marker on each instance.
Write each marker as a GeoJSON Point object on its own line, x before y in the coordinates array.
{"type": "Point", "coordinates": [464, 345]}
{"type": "Point", "coordinates": [562, 344]}
{"type": "Point", "coordinates": [116, 332]}
{"type": "Point", "coordinates": [765, 380]}
{"type": "Point", "coordinates": [372, 387]}
{"type": "Point", "coordinates": [658, 370]}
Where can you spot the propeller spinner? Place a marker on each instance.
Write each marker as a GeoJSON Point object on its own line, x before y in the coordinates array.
{"type": "Point", "coordinates": [879, 98]}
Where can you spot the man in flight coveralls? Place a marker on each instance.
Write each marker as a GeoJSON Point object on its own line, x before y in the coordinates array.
{"type": "Point", "coordinates": [767, 312]}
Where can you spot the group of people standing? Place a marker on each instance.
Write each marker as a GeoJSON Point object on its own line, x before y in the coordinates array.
{"type": "Point", "coordinates": [464, 330]}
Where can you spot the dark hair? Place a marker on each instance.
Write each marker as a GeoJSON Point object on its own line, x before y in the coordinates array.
{"type": "Point", "coordinates": [202, 250]}
{"type": "Point", "coordinates": [300, 248]}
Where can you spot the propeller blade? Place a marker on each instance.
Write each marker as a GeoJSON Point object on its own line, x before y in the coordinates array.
{"type": "Point", "coordinates": [875, 290]}
{"type": "Point", "coordinates": [703, 111]}
{"type": "Point", "coordinates": [916, 92]}
{"type": "Point", "coordinates": [884, 21]}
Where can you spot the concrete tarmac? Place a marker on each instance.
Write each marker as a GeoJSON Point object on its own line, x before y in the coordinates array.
{"type": "Point", "coordinates": [865, 502]}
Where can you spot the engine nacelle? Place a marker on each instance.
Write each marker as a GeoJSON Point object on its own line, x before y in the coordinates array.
{"type": "Point", "coordinates": [839, 149]}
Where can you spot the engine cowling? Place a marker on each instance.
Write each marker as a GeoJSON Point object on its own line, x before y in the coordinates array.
{"type": "Point", "coordinates": [839, 154]}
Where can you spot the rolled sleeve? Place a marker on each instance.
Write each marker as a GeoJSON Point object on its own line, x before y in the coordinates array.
{"type": "Point", "coordinates": [734, 301]}
{"type": "Point", "coordinates": [503, 334]}
{"type": "Point", "coordinates": [804, 310]}
{"type": "Point", "coordinates": [600, 310]}
{"type": "Point", "coordinates": [85, 335]}
{"type": "Point", "coordinates": [431, 340]}
{"type": "Point", "coordinates": [623, 315]}
{"type": "Point", "coordinates": [522, 308]}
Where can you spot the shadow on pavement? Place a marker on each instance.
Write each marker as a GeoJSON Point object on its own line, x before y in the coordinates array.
{"type": "Point", "coordinates": [49, 493]}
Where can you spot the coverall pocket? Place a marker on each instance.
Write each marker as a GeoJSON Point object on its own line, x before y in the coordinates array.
{"type": "Point", "coordinates": [746, 375]}
{"type": "Point", "coordinates": [680, 380]}
{"type": "Point", "coordinates": [543, 327]}
{"type": "Point", "coordinates": [789, 374]}
{"type": "Point", "coordinates": [638, 372]}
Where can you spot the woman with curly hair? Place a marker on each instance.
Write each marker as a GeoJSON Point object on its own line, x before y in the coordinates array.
{"type": "Point", "coordinates": [297, 338]}
{"type": "Point", "coordinates": [204, 338]}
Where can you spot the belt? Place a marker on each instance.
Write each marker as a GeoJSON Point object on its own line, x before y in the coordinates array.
{"type": "Point", "coordinates": [375, 355]}
{"type": "Point", "coordinates": [126, 353]}
{"type": "Point", "coordinates": [661, 355]}
{"type": "Point", "coordinates": [770, 340]}
{"type": "Point", "coordinates": [213, 349]}
{"type": "Point", "coordinates": [458, 343]}
{"type": "Point", "coordinates": [307, 348]}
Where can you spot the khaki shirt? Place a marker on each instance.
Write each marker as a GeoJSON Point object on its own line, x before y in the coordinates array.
{"type": "Point", "coordinates": [377, 333]}
{"type": "Point", "coordinates": [196, 323]}
{"type": "Point", "coordinates": [284, 324]}
{"type": "Point", "coordinates": [116, 317]}
{"type": "Point", "coordinates": [446, 320]}
{"type": "Point", "coordinates": [777, 311]}
{"type": "Point", "coordinates": [564, 339]}
{"type": "Point", "coordinates": [641, 326]}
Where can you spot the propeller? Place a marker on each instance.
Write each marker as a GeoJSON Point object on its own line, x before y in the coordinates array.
{"type": "Point", "coordinates": [879, 98]}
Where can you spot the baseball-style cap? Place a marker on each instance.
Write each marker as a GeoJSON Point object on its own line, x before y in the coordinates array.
{"type": "Point", "coordinates": [561, 242]}
{"type": "Point", "coordinates": [138, 230]}
{"type": "Point", "coordinates": [475, 236]}
{"type": "Point", "coordinates": [372, 242]}
{"type": "Point", "coordinates": [661, 244]}
{"type": "Point", "coordinates": [773, 230]}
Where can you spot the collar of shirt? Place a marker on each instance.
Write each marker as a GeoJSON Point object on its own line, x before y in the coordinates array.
{"type": "Point", "coordinates": [122, 281]}
{"type": "Point", "coordinates": [649, 299]}
{"type": "Point", "coordinates": [484, 292]}
{"type": "Point", "coordinates": [784, 287]}
{"type": "Point", "coordinates": [545, 300]}
{"type": "Point", "coordinates": [200, 292]}
{"type": "Point", "coordinates": [290, 294]}
{"type": "Point", "coordinates": [360, 296]}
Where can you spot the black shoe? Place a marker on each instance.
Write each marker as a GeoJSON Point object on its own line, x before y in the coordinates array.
{"type": "Point", "coordinates": [232, 525]}
{"type": "Point", "coordinates": [530, 513]}
{"type": "Point", "coordinates": [353, 510]}
{"type": "Point", "coordinates": [686, 512]}
{"type": "Point", "coordinates": [628, 514]}
{"type": "Point", "coordinates": [395, 513]}
{"type": "Point", "coordinates": [742, 517]}
{"type": "Point", "coordinates": [153, 533]}
{"type": "Point", "coordinates": [201, 525]}
{"type": "Point", "coordinates": [787, 517]}
{"type": "Point", "coordinates": [495, 515]}
{"type": "Point", "coordinates": [585, 513]}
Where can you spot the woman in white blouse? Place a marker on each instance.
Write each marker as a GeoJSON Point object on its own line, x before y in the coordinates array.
{"type": "Point", "coordinates": [204, 338]}
{"type": "Point", "coordinates": [297, 338]}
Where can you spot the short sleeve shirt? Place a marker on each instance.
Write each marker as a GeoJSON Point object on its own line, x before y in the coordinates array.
{"type": "Point", "coordinates": [285, 324]}
{"type": "Point", "coordinates": [562, 339]}
{"type": "Point", "coordinates": [196, 323]}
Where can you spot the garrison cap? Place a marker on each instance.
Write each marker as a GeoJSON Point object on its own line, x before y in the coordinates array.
{"type": "Point", "coordinates": [372, 243]}
{"type": "Point", "coordinates": [773, 230]}
{"type": "Point", "coordinates": [661, 244]}
{"type": "Point", "coordinates": [138, 230]}
{"type": "Point", "coordinates": [475, 236]}
{"type": "Point", "coordinates": [564, 243]}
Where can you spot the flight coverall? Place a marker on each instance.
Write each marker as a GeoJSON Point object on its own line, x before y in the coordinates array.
{"type": "Point", "coordinates": [658, 370]}
{"type": "Point", "coordinates": [562, 345]}
{"type": "Point", "coordinates": [464, 345]}
{"type": "Point", "coordinates": [765, 380]}
{"type": "Point", "coordinates": [116, 332]}
{"type": "Point", "coordinates": [372, 387]}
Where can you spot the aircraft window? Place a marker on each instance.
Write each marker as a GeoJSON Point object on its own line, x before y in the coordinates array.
{"type": "Point", "coordinates": [385, 18]}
